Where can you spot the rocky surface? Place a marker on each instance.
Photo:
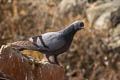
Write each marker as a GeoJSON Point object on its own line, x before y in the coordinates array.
{"type": "Point", "coordinates": [99, 15]}
{"type": "Point", "coordinates": [16, 66]}
{"type": "Point", "coordinates": [72, 6]}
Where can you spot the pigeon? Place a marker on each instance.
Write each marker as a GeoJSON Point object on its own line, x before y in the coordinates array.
{"type": "Point", "coordinates": [52, 43]}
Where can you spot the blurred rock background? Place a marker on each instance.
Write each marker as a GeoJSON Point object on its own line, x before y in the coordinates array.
{"type": "Point", "coordinates": [95, 51]}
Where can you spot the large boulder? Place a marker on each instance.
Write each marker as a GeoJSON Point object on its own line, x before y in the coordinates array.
{"type": "Point", "coordinates": [71, 6]}
{"type": "Point", "coordinates": [98, 15]}
{"type": "Point", "coordinates": [114, 32]}
{"type": "Point", "coordinates": [16, 66]}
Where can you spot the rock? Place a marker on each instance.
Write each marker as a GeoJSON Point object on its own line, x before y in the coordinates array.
{"type": "Point", "coordinates": [115, 18]}
{"type": "Point", "coordinates": [114, 32]}
{"type": "Point", "coordinates": [73, 6]}
{"type": "Point", "coordinates": [99, 15]}
{"type": "Point", "coordinates": [3, 76]}
{"type": "Point", "coordinates": [114, 38]}
{"type": "Point", "coordinates": [21, 67]}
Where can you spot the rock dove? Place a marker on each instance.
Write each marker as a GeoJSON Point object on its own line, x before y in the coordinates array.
{"type": "Point", "coordinates": [53, 43]}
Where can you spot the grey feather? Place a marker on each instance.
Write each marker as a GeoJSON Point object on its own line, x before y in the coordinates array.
{"type": "Point", "coordinates": [53, 40]}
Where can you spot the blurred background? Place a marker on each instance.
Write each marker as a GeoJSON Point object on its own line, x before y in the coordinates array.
{"type": "Point", "coordinates": [95, 51]}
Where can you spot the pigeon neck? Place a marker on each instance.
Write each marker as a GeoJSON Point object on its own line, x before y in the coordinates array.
{"type": "Point", "coordinates": [69, 31]}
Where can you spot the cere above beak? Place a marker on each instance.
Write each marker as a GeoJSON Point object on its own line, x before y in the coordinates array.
{"type": "Point", "coordinates": [82, 25]}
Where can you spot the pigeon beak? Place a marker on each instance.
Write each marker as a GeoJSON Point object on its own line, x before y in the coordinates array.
{"type": "Point", "coordinates": [82, 27]}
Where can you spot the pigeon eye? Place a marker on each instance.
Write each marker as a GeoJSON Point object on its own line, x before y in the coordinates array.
{"type": "Point", "coordinates": [81, 24]}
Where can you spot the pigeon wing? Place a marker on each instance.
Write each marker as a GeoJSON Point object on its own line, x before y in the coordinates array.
{"type": "Point", "coordinates": [53, 40]}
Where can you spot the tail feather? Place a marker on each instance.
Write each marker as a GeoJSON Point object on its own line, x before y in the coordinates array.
{"type": "Point", "coordinates": [24, 45]}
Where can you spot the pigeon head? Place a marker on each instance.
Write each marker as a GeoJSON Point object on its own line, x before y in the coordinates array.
{"type": "Point", "coordinates": [73, 28]}
{"type": "Point", "coordinates": [78, 25]}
